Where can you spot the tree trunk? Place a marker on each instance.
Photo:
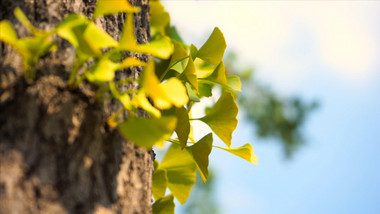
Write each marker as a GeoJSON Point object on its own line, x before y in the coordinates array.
{"type": "Point", "coordinates": [57, 155]}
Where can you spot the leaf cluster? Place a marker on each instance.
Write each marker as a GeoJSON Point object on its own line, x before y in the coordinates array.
{"type": "Point", "coordinates": [179, 76]}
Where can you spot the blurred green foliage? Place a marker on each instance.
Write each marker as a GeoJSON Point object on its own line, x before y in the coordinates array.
{"type": "Point", "coordinates": [271, 115]}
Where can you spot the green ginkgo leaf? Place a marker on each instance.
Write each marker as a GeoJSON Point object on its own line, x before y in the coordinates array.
{"type": "Point", "coordinates": [246, 152]}
{"type": "Point", "coordinates": [183, 126]}
{"type": "Point", "coordinates": [193, 51]}
{"type": "Point", "coordinates": [234, 82]}
{"type": "Point", "coordinates": [164, 205]}
{"type": "Point", "coordinates": [200, 152]}
{"type": "Point", "coordinates": [180, 168]}
{"type": "Point", "coordinates": [205, 90]}
{"type": "Point", "coordinates": [213, 50]}
{"type": "Point", "coordinates": [219, 75]}
{"type": "Point", "coordinates": [159, 182]}
{"type": "Point", "coordinates": [222, 118]}
{"type": "Point", "coordinates": [147, 132]}
{"type": "Point", "coordinates": [106, 7]}
{"type": "Point", "coordinates": [192, 93]}
{"type": "Point", "coordinates": [102, 71]}
{"type": "Point", "coordinates": [178, 55]}
{"type": "Point", "coordinates": [189, 74]}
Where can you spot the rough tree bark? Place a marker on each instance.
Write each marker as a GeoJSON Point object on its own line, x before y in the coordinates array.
{"type": "Point", "coordinates": [57, 154]}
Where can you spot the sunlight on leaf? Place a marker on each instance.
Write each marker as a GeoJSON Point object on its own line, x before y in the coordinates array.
{"type": "Point", "coordinates": [98, 38]}
{"type": "Point", "coordinates": [222, 118]}
{"type": "Point", "coordinates": [164, 205]}
{"type": "Point", "coordinates": [141, 101]}
{"type": "Point", "coordinates": [176, 91]}
{"type": "Point", "coordinates": [200, 152]}
{"type": "Point", "coordinates": [234, 82]}
{"type": "Point", "coordinates": [180, 168]}
{"type": "Point", "coordinates": [213, 50]}
{"type": "Point", "coordinates": [159, 18]}
{"type": "Point", "coordinates": [7, 32]}
{"type": "Point", "coordinates": [246, 152]}
{"type": "Point", "coordinates": [219, 75]}
{"type": "Point", "coordinates": [102, 71]}
{"type": "Point", "coordinates": [159, 129]}
{"type": "Point", "coordinates": [105, 7]}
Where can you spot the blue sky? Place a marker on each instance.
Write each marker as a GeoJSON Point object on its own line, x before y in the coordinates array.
{"type": "Point", "coordinates": [327, 50]}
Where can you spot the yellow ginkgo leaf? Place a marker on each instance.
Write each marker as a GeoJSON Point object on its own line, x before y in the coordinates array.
{"type": "Point", "coordinates": [141, 101]}
{"type": "Point", "coordinates": [200, 152]}
{"type": "Point", "coordinates": [222, 118]}
{"type": "Point", "coordinates": [176, 92]}
{"type": "Point", "coordinates": [107, 7]}
{"type": "Point", "coordinates": [246, 152]}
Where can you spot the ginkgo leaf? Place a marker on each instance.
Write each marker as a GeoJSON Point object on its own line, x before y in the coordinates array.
{"type": "Point", "coordinates": [180, 168]}
{"type": "Point", "coordinates": [219, 75]}
{"type": "Point", "coordinates": [123, 98]}
{"type": "Point", "coordinates": [159, 182]}
{"type": "Point", "coordinates": [193, 96]}
{"type": "Point", "coordinates": [102, 71]}
{"type": "Point", "coordinates": [213, 50]}
{"type": "Point", "coordinates": [26, 23]}
{"type": "Point", "coordinates": [183, 126]}
{"type": "Point", "coordinates": [7, 32]}
{"type": "Point", "coordinates": [141, 101]}
{"type": "Point", "coordinates": [193, 51]}
{"type": "Point", "coordinates": [151, 86]}
{"type": "Point", "coordinates": [189, 74]}
{"type": "Point", "coordinates": [130, 62]}
{"type": "Point", "coordinates": [178, 55]}
{"type": "Point", "coordinates": [66, 28]}
{"type": "Point", "coordinates": [147, 132]}
{"type": "Point", "coordinates": [176, 92]}
{"type": "Point", "coordinates": [164, 205]}
{"type": "Point", "coordinates": [205, 90]}
{"type": "Point", "coordinates": [161, 47]}
{"type": "Point", "coordinates": [222, 118]}
{"type": "Point", "coordinates": [98, 38]}
{"type": "Point", "coordinates": [159, 18]}
{"type": "Point", "coordinates": [246, 152]}
{"type": "Point", "coordinates": [200, 152]}
{"type": "Point", "coordinates": [105, 7]}
{"type": "Point", "coordinates": [203, 69]}
{"type": "Point", "coordinates": [234, 82]}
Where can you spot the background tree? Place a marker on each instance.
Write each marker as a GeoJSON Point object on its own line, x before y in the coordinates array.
{"type": "Point", "coordinates": [57, 155]}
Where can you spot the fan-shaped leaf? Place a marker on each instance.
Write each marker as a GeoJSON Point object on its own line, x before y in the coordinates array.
{"type": "Point", "coordinates": [200, 152]}
{"type": "Point", "coordinates": [176, 92]}
{"type": "Point", "coordinates": [164, 205]}
{"type": "Point", "coordinates": [180, 168]}
{"type": "Point", "coordinates": [246, 152]}
{"type": "Point", "coordinates": [141, 100]}
{"type": "Point", "coordinates": [7, 32]}
{"type": "Point", "coordinates": [234, 82]}
{"type": "Point", "coordinates": [222, 118]}
{"type": "Point", "coordinates": [98, 38]}
{"type": "Point", "coordinates": [147, 132]}
{"type": "Point", "coordinates": [213, 50]}
{"type": "Point", "coordinates": [102, 71]}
